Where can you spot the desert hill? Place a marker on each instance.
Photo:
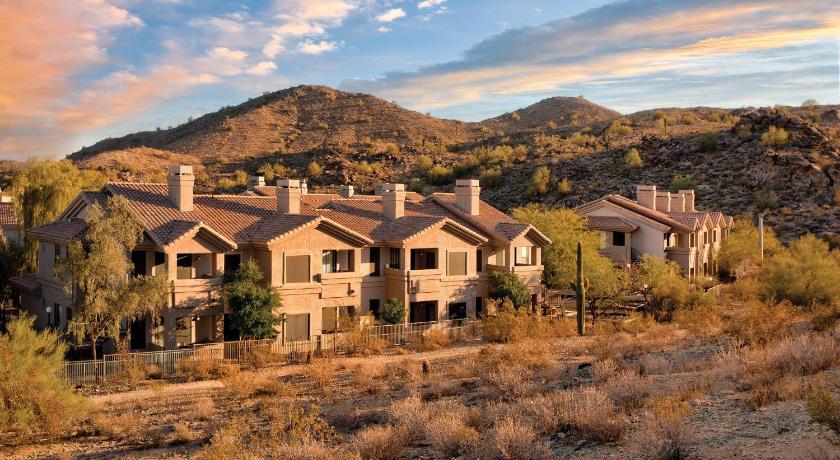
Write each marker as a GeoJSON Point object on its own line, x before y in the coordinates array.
{"type": "Point", "coordinates": [360, 139]}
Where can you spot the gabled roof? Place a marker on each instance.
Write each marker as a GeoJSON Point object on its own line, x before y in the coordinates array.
{"type": "Point", "coordinates": [7, 215]}
{"type": "Point", "coordinates": [684, 226]}
{"type": "Point", "coordinates": [313, 198]}
{"type": "Point", "coordinates": [28, 282]}
{"type": "Point", "coordinates": [61, 230]}
{"type": "Point", "coordinates": [489, 220]}
{"type": "Point", "coordinates": [611, 223]}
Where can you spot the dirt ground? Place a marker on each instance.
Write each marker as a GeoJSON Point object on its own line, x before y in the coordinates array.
{"type": "Point", "coordinates": [160, 420]}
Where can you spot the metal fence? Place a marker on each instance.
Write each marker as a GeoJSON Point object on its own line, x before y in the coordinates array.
{"type": "Point", "coordinates": [165, 362]}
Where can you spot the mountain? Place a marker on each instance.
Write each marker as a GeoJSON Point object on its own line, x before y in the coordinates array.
{"type": "Point", "coordinates": [363, 140]}
{"type": "Point", "coordinates": [552, 113]}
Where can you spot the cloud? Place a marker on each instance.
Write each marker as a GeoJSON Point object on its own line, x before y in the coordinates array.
{"type": "Point", "coordinates": [310, 47]}
{"type": "Point", "coordinates": [305, 18]}
{"type": "Point", "coordinates": [391, 15]}
{"type": "Point", "coordinates": [227, 54]}
{"type": "Point", "coordinates": [262, 68]}
{"type": "Point", "coordinates": [629, 39]}
{"type": "Point", "coordinates": [383, 29]}
{"type": "Point", "coordinates": [44, 45]}
{"type": "Point", "coordinates": [425, 4]}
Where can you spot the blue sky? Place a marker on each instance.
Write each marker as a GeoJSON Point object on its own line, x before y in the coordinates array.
{"type": "Point", "coordinates": [72, 73]}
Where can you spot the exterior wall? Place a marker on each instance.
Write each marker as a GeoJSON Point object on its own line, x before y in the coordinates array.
{"type": "Point", "coordinates": [11, 234]}
{"type": "Point", "coordinates": [646, 240]}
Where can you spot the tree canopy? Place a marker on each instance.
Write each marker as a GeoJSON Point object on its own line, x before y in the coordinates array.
{"type": "Point", "coordinates": [252, 305]}
{"type": "Point", "coordinates": [806, 274]}
{"type": "Point", "coordinates": [100, 268]}
{"type": "Point", "coordinates": [393, 312]}
{"type": "Point", "coordinates": [507, 285]}
{"type": "Point", "coordinates": [742, 244]}
{"type": "Point", "coordinates": [41, 190]}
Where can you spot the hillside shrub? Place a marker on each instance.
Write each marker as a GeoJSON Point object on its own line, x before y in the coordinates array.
{"type": "Point", "coordinates": [774, 137]}
{"type": "Point", "coordinates": [632, 159]}
{"type": "Point", "coordinates": [581, 140]}
{"type": "Point", "coordinates": [423, 163]}
{"type": "Point", "coordinates": [823, 406]}
{"type": "Point", "coordinates": [314, 170]}
{"type": "Point", "coordinates": [682, 182]}
{"type": "Point", "coordinates": [742, 244]}
{"type": "Point", "coordinates": [491, 177]}
{"type": "Point", "coordinates": [392, 149]}
{"type": "Point", "coordinates": [515, 116]}
{"type": "Point", "coordinates": [393, 312]}
{"type": "Point", "coordinates": [363, 168]}
{"type": "Point", "coordinates": [33, 395]}
{"type": "Point", "coordinates": [564, 187]}
{"type": "Point", "coordinates": [441, 175]}
{"type": "Point", "coordinates": [540, 180]}
{"type": "Point", "coordinates": [240, 177]}
{"type": "Point", "coordinates": [707, 142]}
{"type": "Point", "coordinates": [508, 285]}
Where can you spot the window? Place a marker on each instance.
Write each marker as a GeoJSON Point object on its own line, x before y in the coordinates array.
{"type": "Point", "coordinates": [479, 307]}
{"type": "Point", "coordinates": [232, 262]}
{"type": "Point", "coordinates": [183, 331]}
{"type": "Point", "coordinates": [705, 237]}
{"type": "Point", "coordinates": [57, 253]}
{"type": "Point", "coordinates": [160, 263]}
{"type": "Point", "coordinates": [329, 319]}
{"type": "Point", "coordinates": [691, 240]}
{"type": "Point", "coordinates": [394, 258]}
{"type": "Point", "coordinates": [457, 264]}
{"type": "Point", "coordinates": [297, 326]}
{"type": "Point", "coordinates": [297, 269]}
{"type": "Point", "coordinates": [479, 261]}
{"type": "Point", "coordinates": [337, 260]}
{"type": "Point", "coordinates": [373, 306]}
{"type": "Point", "coordinates": [423, 259]}
{"type": "Point", "coordinates": [714, 236]}
{"type": "Point", "coordinates": [618, 238]}
{"type": "Point", "coordinates": [138, 261]}
{"type": "Point", "coordinates": [501, 255]}
{"type": "Point", "coordinates": [523, 255]}
{"type": "Point", "coordinates": [184, 263]}
{"type": "Point", "coordinates": [458, 310]}
{"type": "Point", "coordinates": [374, 262]}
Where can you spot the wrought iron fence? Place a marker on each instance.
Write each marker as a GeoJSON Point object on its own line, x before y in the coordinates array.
{"type": "Point", "coordinates": [165, 362]}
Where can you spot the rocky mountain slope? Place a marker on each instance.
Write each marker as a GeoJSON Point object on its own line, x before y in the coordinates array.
{"type": "Point", "coordinates": [360, 139]}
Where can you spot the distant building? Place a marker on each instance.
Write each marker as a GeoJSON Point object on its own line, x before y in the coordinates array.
{"type": "Point", "coordinates": [328, 255]}
{"type": "Point", "coordinates": [662, 224]}
{"type": "Point", "coordinates": [9, 228]}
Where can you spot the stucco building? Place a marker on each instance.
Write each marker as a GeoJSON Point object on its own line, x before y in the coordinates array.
{"type": "Point", "coordinates": [328, 255]}
{"type": "Point", "coordinates": [9, 228]}
{"type": "Point", "coordinates": [659, 223]}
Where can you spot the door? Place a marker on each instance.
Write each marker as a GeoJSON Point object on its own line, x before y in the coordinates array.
{"type": "Point", "coordinates": [421, 312]}
{"type": "Point", "coordinates": [458, 310]}
{"type": "Point", "coordinates": [138, 334]}
{"type": "Point", "coordinates": [297, 327]}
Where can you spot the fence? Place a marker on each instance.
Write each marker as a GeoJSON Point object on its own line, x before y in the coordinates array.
{"type": "Point", "coordinates": [166, 361]}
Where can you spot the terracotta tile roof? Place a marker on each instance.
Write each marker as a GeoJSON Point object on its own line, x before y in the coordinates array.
{"type": "Point", "coordinates": [489, 221]}
{"type": "Point", "coordinates": [610, 223]}
{"type": "Point", "coordinates": [7, 215]}
{"type": "Point", "coordinates": [28, 282]}
{"type": "Point", "coordinates": [63, 230]}
{"type": "Point", "coordinates": [270, 190]}
{"type": "Point", "coordinates": [635, 207]}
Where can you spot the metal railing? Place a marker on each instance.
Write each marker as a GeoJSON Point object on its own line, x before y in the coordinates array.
{"type": "Point", "coordinates": [165, 362]}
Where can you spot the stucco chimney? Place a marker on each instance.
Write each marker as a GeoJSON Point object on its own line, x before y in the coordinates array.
{"type": "Point", "coordinates": [646, 196]}
{"type": "Point", "coordinates": [288, 196]}
{"type": "Point", "coordinates": [393, 200]}
{"type": "Point", "coordinates": [467, 192]}
{"type": "Point", "coordinates": [180, 180]}
{"type": "Point", "coordinates": [663, 201]}
{"type": "Point", "coordinates": [255, 181]}
{"type": "Point", "coordinates": [304, 188]}
{"type": "Point", "coordinates": [689, 199]}
{"type": "Point", "coordinates": [346, 191]}
{"type": "Point", "coordinates": [677, 202]}
{"type": "Point", "coordinates": [377, 189]}
{"type": "Point", "coordinates": [5, 197]}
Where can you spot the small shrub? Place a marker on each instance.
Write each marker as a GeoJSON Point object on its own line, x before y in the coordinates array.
{"type": "Point", "coordinates": [204, 368]}
{"type": "Point", "coordinates": [440, 175]}
{"type": "Point", "coordinates": [628, 389]}
{"type": "Point", "coordinates": [380, 442]}
{"type": "Point", "coordinates": [423, 163]}
{"type": "Point", "coordinates": [512, 438]}
{"type": "Point", "coordinates": [603, 369]}
{"type": "Point", "coordinates": [240, 177]}
{"type": "Point", "coordinates": [491, 177]}
{"type": "Point", "coordinates": [314, 170]}
{"type": "Point", "coordinates": [363, 168]}
{"type": "Point", "coordinates": [431, 340]}
{"type": "Point", "coordinates": [392, 149]}
{"type": "Point", "coordinates": [665, 436]}
{"type": "Point", "coordinates": [707, 143]}
{"type": "Point", "coordinates": [774, 137]}
{"type": "Point", "coordinates": [393, 312]}
{"type": "Point", "coordinates": [589, 414]}
{"type": "Point", "coordinates": [822, 406]}
{"type": "Point", "coordinates": [564, 187]}
{"type": "Point", "coordinates": [510, 381]}
{"type": "Point", "coordinates": [515, 116]}
{"type": "Point", "coordinates": [632, 159]}
{"type": "Point", "coordinates": [322, 371]}
{"type": "Point", "coordinates": [540, 180]}
{"type": "Point", "coordinates": [225, 185]}
{"type": "Point", "coordinates": [581, 140]}
{"type": "Point", "coordinates": [682, 182]}
{"type": "Point", "coordinates": [506, 325]}
{"type": "Point", "coordinates": [508, 285]}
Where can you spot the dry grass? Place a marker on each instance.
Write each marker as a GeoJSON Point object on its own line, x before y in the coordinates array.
{"type": "Point", "coordinates": [823, 405]}
{"type": "Point", "coordinates": [259, 356]}
{"type": "Point", "coordinates": [664, 435]}
{"type": "Point", "coordinates": [205, 368]}
{"type": "Point", "coordinates": [380, 442]}
{"type": "Point", "coordinates": [122, 426]}
{"type": "Point", "coordinates": [431, 340]}
{"type": "Point", "coordinates": [509, 381]}
{"type": "Point", "coordinates": [759, 322]}
{"type": "Point", "coordinates": [359, 342]}
{"type": "Point", "coordinates": [590, 414]}
{"type": "Point", "coordinates": [322, 371]}
{"type": "Point", "coordinates": [512, 438]}
{"type": "Point", "coordinates": [628, 389]}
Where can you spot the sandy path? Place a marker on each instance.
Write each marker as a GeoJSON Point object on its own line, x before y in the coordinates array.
{"type": "Point", "coordinates": [208, 385]}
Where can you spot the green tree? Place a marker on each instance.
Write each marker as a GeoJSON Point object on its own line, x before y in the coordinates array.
{"type": "Point", "coordinates": [100, 268]}
{"type": "Point", "coordinates": [742, 244]}
{"type": "Point", "coordinates": [11, 265]}
{"type": "Point", "coordinates": [540, 180]}
{"type": "Point", "coordinates": [607, 285]}
{"type": "Point", "coordinates": [682, 182]}
{"type": "Point", "coordinates": [393, 312]}
{"type": "Point", "coordinates": [632, 159]}
{"type": "Point", "coordinates": [806, 274]}
{"type": "Point", "coordinates": [33, 395]}
{"type": "Point", "coordinates": [41, 191]}
{"type": "Point", "coordinates": [508, 285]}
{"type": "Point", "coordinates": [662, 285]}
{"type": "Point", "coordinates": [251, 303]}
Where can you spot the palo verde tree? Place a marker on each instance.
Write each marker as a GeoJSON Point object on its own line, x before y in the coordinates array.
{"type": "Point", "coordinates": [42, 190]}
{"type": "Point", "coordinates": [251, 303]}
{"type": "Point", "coordinates": [100, 268]}
{"type": "Point", "coordinates": [742, 245]}
{"type": "Point", "coordinates": [662, 285]}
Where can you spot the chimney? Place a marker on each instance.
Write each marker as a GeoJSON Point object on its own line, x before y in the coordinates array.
{"type": "Point", "coordinates": [663, 201]}
{"type": "Point", "coordinates": [255, 181]}
{"type": "Point", "coordinates": [5, 197]}
{"type": "Point", "coordinates": [677, 202]}
{"type": "Point", "coordinates": [689, 199]}
{"type": "Point", "coordinates": [346, 191]}
{"type": "Point", "coordinates": [466, 195]}
{"type": "Point", "coordinates": [393, 200]}
{"type": "Point", "coordinates": [646, 196]}
{"type": "Point", "coordinates": [180, 182]}
{"type": "Point", "coordinates": [377, 189]}
{"type": "Point", "coordinates": [304, 188]}
{"type": "Point", "coordinates": [288, 196]}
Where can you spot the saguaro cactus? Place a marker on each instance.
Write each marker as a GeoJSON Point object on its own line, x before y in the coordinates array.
{"type": "Point", "coordinates": [580, 287]}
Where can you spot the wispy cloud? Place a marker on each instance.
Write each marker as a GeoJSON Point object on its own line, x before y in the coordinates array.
{"type": "Point", "coordinates": [262, 68]}
{"type": "Point", "coordinates": [426, 4]}
{"type": "Point", "coordinates": [310, 47]}
{"type": "Point", "coordinates": [305, 18]}
{"type": "Point", "coordinates": [391, 15]}
{"type": "Point", "coordinates": [628, 39]}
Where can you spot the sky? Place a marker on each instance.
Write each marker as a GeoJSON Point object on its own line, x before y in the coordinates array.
{"type": "Point", "coordinates": [75, 72]}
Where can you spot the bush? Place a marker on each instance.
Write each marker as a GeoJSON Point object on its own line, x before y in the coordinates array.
{"type": "Point", "coordinates": [240, 177]}
{"type": "Point", "coordinates": [806, 274]}
{"type": "Point", "coordinates": [225, 185]}
{"type": "Point", "coordinates": [564, 187]}
{"type": "Point", "coordinates": [774, 137]}
{"type": "Point", "coordinates": [742, 245]}
{"type": "Point", "coordinates": [632, 159]}
{"type": "Point", "coordinates": [313, 170]}
{"type": "Point", "coordinates": [491, 177]}
{"type": "Point", "coordinates": [423, 163]}
{"type": "Point", "coordinates": [393, 312]}
{"type": "Point", "coordinates": [589, 414]}
{"type": "Point", "coordinates": [204, 368]}
{"type": "Point", "coordinates": [682, 182]}
{"type": "Point", "coordinates": [392, 149]}
{"type": "Point", "coordinates": [508, 285]}
{"type": "Point", "coordinates": [440, 175]}
{"type": "Point", "coordinates": [363, 168]}
{"type": "Point", "coordinates": [707, 143]}
{"type": "Point", "coordinates": [822, 406]}
{"type": "Point", "coordinates": [513, 438]}
{"type": "Point", "coordinates": [33, 395]}
{"type": "Point", "coordinates": [540, 180]}
{"type": "Point", "coordinates": [380, 442]}
{"type": "Point", "coordinates": [507, 324]}
{"type": "Point", "coordinates": [580, 140]}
